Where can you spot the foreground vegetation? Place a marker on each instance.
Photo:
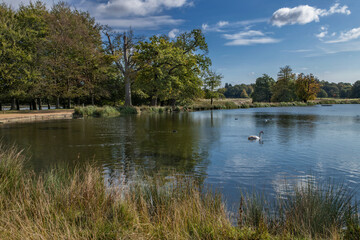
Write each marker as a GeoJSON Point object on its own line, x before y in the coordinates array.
{"type": "Point", "coordinates": [78, 204]}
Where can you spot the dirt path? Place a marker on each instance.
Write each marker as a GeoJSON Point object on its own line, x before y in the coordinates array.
{"type": "Point", "coordinates": [26, 116]}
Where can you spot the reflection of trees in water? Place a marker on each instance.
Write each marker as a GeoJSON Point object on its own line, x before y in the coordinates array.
{"type": "Point", "coordinates": [158, 144]}
{"type": "Point", "coordinates": [288, 126]}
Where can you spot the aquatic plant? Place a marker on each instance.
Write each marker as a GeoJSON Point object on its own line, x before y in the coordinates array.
{"type": "Point", "coordinates": [93, 111]}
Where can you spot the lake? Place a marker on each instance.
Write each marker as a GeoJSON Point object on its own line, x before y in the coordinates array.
{"type": "Point", "coordinates": [299, 143]}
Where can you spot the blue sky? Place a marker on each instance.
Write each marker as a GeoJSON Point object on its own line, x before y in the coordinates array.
{"type": "Point", "coordinates": [249, 38]}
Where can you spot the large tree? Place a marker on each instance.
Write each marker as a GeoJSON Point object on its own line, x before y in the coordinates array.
{"type": "Point", "coordinates": [32, 20]}
{"type": "Point", "coordinates": [74, 54]}
{"type": "Point", "coordinates": [172, 70]}
{"type": "Point", "coordinates": [262, 89]}
{"type": "Point", "coordinates": [122, 46]}
{"type": "Point", "coordinates": [284, 89]}
{"type": "Point", "coordinates": [307, 87]}
{"type": "Point", "coordinates": [13, 56]}
{"type": "Point", "coordinates": [355, 91]}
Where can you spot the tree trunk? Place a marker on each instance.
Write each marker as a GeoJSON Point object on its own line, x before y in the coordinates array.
{"type": "Point", "coordinates": [0, 106]}
{"type": "Point", "coordinates": [30, 106]}
{"type": "Point", "coordinates": [48, 103]}
{"type": "Point", "coordinates": [69, 103]}
{"type": "Point", "coordinates": [211, 101]}
{"type": "Point", "coordinates": [173, 102]}
{"type": "Point", "coordinates": [127, 70]}
{"type": "Point", "coordinates": [154, 101]}
{"type": "Point", "coordinates": [40, 104]}
{"type": "Point", "coordinates": [92, 99]}
{"type": "Point", "coordinates": [34, 104]}
{"type": "Point", "coordinates": [13, 104]}
{"type": "Point", "coordinates": [127, 92]}
{"type": "Point", "coordinates": [57, 106]}
{"type": "Point", "coordinates": [17, 104]}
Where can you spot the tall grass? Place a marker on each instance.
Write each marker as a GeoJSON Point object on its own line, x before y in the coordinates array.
{"type": "Point", "coordinates": [313, 210]}
{"type": "Point", "coordinates": [93, 111]}
{"type": "Point", "coordinates": [77, 204]}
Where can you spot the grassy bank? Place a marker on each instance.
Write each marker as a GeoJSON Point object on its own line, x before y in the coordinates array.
{"type": "Point", "coordinates": [76, 204]}
{"type": "Point", "coordinates": [94, 111]}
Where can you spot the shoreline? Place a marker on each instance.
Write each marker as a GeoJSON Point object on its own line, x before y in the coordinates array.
{"type": "Point", "coordinates": [7, 117]}
{"type": "Point", "coordinates": [34, 116]}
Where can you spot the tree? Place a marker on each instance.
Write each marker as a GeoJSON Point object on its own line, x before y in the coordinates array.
{"type": "Point", "coordinates": [32, 20]}
{"type": "Point", "coordinates": [284, 89]}
{"type": "Point", "coordinates": [122, 47]}
{"type": "Point", "coordinates": [212, 80]}
{"type": "Point", "coordinates": [322, 94]}
{"type": "Point", "coordinates": [262, 89]}
{"type": "Point", "coordinates": [244, 94]}
{"type": "Point", "coordinates": [355, 90]}
{"type": "Point", "coordinates": [171, 70]}
{"type": "Point", "coordinates": [13, 57]}
{"type": "Point", "coordinates": [307, 87]}
{"type": "Point", "coordinates": [74, 55]}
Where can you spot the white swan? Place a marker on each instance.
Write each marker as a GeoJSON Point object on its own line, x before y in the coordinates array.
{"type": "Point", "coordinates": [256, 137]}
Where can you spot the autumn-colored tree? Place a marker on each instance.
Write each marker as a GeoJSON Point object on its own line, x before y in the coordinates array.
{"type": "Point", "coordinates": [307, 87]}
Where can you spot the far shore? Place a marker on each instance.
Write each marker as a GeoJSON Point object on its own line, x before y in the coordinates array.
{"type": "Point", "coordinates": [11, 116]}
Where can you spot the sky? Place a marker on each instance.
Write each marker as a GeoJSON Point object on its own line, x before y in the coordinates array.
{"type": "Point", "coordinates": [248, 38]}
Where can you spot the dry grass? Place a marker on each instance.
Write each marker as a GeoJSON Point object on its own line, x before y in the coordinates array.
{"type": "Point", "coordinates": [76, 204]}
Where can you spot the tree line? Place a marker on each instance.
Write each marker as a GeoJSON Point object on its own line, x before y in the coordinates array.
{"type": "Point", "coordinates": [290, 87]}
{"type": "Point", "coordinates": [61, 56]}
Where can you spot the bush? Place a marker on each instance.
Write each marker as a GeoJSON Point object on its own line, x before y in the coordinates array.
{"type": "Point", "coordinates": [128, 110]}
{"type": "Point", "coordinates": [93, 111]}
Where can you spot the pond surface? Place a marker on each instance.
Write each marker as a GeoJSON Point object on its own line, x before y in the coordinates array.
{"type": "Point", "coordinates": [299, 143]}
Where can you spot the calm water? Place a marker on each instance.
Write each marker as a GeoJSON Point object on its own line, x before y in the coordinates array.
{"type": "Point", "coordinates": [299, 142]}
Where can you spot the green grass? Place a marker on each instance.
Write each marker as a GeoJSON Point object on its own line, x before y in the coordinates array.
{"type": "Point", "coordinates": [93, 111]}
{"type": "Point", "coordinates": [313, 211]}
{"type": "Point", "coordinates": [128, 110]}
{"type": "Point", "coordinates": [77, 204]}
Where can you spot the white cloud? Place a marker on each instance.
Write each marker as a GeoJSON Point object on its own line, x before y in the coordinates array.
{"type": "Point", "coordinates": [16, 3]}
{"type": "Point", "coordinates": [250, 37]}
{"type": "Point", "coordinates": [151, 22]}
{"type": "Point", "coordinates": [122, 8]}
{"type": "Point", "coordinates": [323, 33]}
{"type": "Point", "coordinates": [173, 33]}
{"type": "Point", "coordinates": [337, 9]}
{"type": "Point", "coordinates": [222, 26]}
{"type": "Point", "coordinates": [222, 23]}
{"type": "Point", "coordinates": [347, 36]}
{"type": "Point", "coordinates": [304, 14]}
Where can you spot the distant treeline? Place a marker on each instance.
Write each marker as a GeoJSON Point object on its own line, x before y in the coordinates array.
{"type": "Point", "coordinates": [290, 87]}
{"type": "Point", "coordinates": [61, 56]}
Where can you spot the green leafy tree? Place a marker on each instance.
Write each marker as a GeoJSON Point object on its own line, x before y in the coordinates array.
{"type": "Point", "coordinates": [212, 80]}
{"type": "Point", "coordinates": [32, 20]}
{"type": "Point", "coordinates": [355, 91]}
{"type": "Point", "coordinates": [284, 89]}
{"type": "Point", "coordinates": [307, 87]}
{"type": "Point", "coordinates": [262, 89]}
{"type": "Point", "coordinates": [13, 57]}
{"type": "Point", "coordinates": [322, 94]}
{"type": "Point", "coordinates": [171, 70]}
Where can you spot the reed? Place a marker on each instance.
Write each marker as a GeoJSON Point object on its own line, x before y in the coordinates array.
{"type": "Point", "coordinates": [76, 203]}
